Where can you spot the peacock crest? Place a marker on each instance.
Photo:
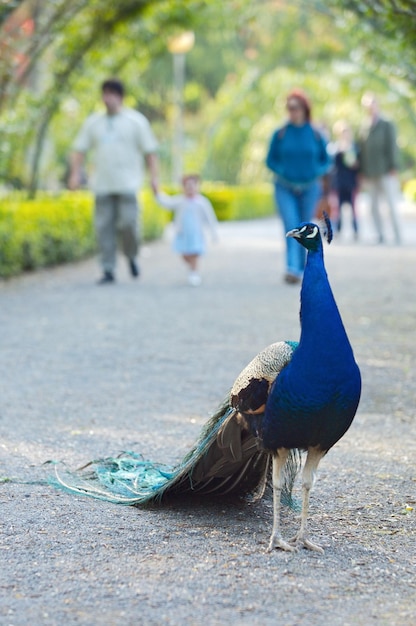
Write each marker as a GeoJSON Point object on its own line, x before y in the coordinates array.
{"type": "Point", "coordinates": [327, 229]}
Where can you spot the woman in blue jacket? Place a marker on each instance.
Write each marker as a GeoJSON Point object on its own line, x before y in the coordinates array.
{"type": "Point", "coordinates": [298, 158]}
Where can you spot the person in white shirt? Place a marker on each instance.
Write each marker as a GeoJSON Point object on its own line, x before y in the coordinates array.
{"type": "Point", "coordinates": [193, 212]}
{"type": "Point", "coordinates": [123, 145]}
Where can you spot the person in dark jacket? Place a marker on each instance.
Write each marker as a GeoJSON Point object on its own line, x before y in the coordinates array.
{"type": "Point", "coordinates": [345, 174]}
{"type": "Point", "coordinates": [298, 158]}
{"type": "Point", "coordinates": [378, 165]}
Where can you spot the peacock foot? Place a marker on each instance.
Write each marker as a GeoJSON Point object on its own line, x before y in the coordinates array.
{"type": "Point", "coordinates": [301, 541]}
{"type": "Point", "coordinates": [276, 541]}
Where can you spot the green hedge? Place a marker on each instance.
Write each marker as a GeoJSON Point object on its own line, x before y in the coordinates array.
{"type": "Point", "coordinates": [57, 229]}
{"type": "Point", "coordinates": [409, 190]}
{"type": "Point", "coordinates": [45, 231]}
{"type": "Point", "coordinates": [54, 229]}
{"type": "Point", "coordinates": [253, 202]}
{"type": "Point", "coordinates": [234, 203]}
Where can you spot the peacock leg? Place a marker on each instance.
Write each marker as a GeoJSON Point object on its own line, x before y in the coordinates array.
{"type": "Point", "coordinates": [308, 476]}
{"type": "Point", "coordinates": [279, 461]}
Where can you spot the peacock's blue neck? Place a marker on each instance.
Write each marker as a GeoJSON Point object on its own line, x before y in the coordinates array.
{"type": "Point", "coordinates": [321, 323]}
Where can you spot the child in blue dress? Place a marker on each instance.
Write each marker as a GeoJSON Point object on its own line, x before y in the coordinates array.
{"type": "Point", "coordinates": [193, 212]}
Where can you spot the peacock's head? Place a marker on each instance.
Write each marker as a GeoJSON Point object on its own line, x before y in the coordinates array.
{"type": "Point", "coordinates": [309, 234]}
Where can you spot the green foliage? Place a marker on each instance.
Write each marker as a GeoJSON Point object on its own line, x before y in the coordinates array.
{"type": "Point", "coordinates": [222, 199]}
{"type": "Point", "coordinates": [44, 232]}
{"type": "Point", "coordinates": [409, 190]}
{"type": "Point", "coordinates": [300, 44]}
{"type": "Point", "coordinates": [247, 55]}
{"type": "Point", "coordinates": [55, 229]}
{"type": "Point", "coordinates": [75, 46]}
{"type": "Point", "coordinates": [239, 202]}
{"type": "Point", "coordinates": [253, 202]}
{"type": "Point", "coordinates": [391, 22]}
{"type": "Point", "coordinates": [232, 202]}
{"type": "Point", "coordinates": [153, 220]}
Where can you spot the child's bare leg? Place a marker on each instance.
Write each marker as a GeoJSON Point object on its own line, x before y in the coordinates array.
{"type": "Point", "coordinates": [192, 261]}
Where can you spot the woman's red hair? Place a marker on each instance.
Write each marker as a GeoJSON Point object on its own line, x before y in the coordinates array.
{"type": "Point", "coordinates": [300, 96]}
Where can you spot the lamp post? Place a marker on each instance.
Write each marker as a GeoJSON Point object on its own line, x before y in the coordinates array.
{"type": "Point", "coordinates": [178, 46]}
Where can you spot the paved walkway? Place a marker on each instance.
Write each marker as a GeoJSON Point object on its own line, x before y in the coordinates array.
{"type": "Point", "coordinates": [87, 371]}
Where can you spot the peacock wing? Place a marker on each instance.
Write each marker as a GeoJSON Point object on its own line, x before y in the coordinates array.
{"type": "Point", "coordinates": [235, 461]}
{"type": "Point", "coordinates": [232, 461]}
{"type": "Point", "coordinates": [251, 389]}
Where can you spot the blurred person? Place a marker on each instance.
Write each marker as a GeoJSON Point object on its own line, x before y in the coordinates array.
{"type": "Point", "coordinates": [378, 165]}
{"type": "Point", "coordinates": [298, 158]}
{"type": "Point", "coordinates": [193, 212]}
{"type": "Point", "coordinates": [345, 174]}
{"type": "Point", "coordinates": [122, 143]}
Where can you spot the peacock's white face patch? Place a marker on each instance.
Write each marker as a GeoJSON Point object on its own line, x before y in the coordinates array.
{"type": "Point", "coordinates": [313, 233]}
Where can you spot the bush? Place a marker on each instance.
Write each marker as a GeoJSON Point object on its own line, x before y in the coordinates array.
{"type": "Point", "coordinates": [45, 231]}
{"type": "Point", "coordinates": [253, 202]}
{"type": "Point", "coordinates": [58, 229]}
{"type": "Point", "coordinates": [153, 219]}
{"type": "Point", "coordinates": [229, 203]}
{"type": "Point", "coordinates": [240, 203]}
{"type": "Point", "coordinates": [54, 229]}
{"type": "Point", "coordinates": [222, 199]}
{"type": "Point", "coordinates": [409, 190]}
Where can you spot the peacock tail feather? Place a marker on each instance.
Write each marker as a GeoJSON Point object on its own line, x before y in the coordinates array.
{"type": "Point", "coordinates": [227, 458]}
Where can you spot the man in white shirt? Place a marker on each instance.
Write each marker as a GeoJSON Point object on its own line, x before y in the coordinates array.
{"type": "Point", "coordinates": [123, 144]}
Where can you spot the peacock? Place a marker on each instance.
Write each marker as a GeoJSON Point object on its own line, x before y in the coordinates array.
{"type": "Point", "coordinates": [293, 397]}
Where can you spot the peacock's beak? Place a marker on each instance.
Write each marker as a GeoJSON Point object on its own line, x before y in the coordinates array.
{"type": "Point", "coordinates": [293, 233]}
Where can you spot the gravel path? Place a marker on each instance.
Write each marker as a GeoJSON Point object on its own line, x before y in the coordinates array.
{"type": "Point", "coordinates": [87, 371]}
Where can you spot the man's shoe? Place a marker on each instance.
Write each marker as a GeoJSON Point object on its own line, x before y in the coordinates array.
{"type": "Point", "coordinates": [134, 268]}
{"type": "Point", "coordinates": [107, 277]}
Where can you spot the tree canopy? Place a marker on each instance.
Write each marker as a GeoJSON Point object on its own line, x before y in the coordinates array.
{"type": "Point", "coordinates": [247, 55]}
